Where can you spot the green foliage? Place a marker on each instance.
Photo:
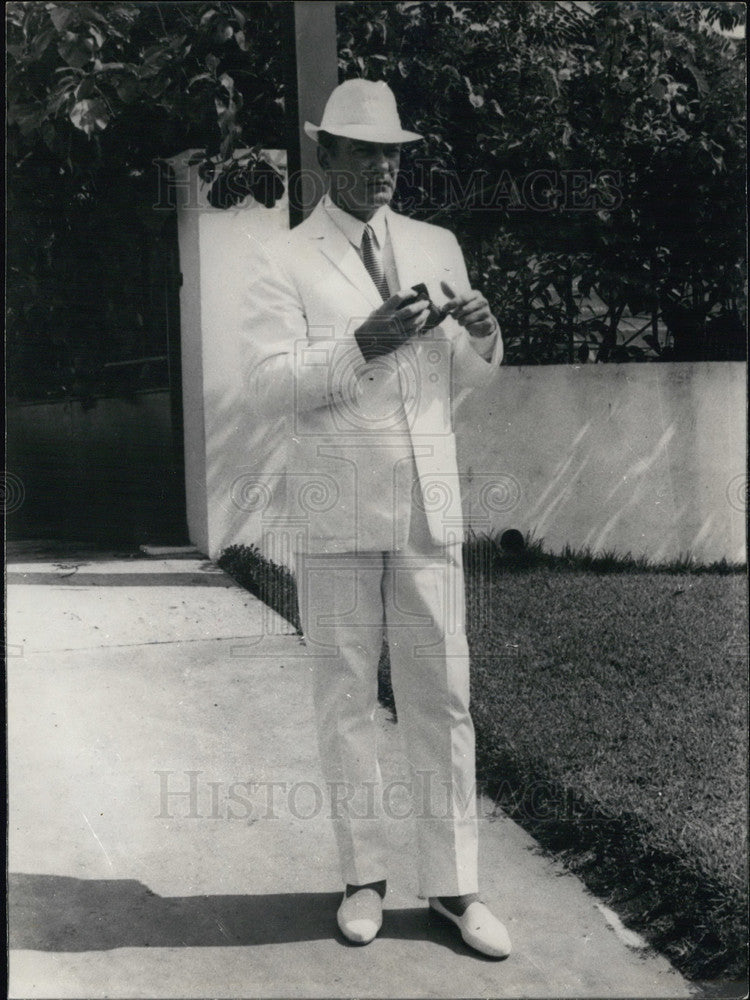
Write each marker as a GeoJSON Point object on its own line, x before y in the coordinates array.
{"type": "Point", "coordinates": [121, 84]}
{"type": "Point", "coordinates": [99, 94]}
{"type": "Point", "coordinates": [590, 155]}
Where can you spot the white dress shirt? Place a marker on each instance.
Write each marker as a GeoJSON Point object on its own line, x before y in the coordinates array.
{"type": "Point", "coordinates": [354, 230]}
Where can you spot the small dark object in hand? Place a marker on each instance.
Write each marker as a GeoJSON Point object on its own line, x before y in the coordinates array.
{"type": "Point", "coordinates": [436, 315]}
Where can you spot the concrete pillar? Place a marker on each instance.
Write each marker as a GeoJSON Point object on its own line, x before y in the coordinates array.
{"type": "Point", "coordinates": [311, 74]}
{"type": "Point", "coordinates": [217, 248]}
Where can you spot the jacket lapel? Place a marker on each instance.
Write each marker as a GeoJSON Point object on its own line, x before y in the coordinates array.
{"type": "Point", "coordinates": [338, 250]}
{"type": "Point", "coordinates": [406, 253]}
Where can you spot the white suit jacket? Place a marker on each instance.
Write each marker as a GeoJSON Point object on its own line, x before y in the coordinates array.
{"type": "Point", "coordinates": [351, 439]}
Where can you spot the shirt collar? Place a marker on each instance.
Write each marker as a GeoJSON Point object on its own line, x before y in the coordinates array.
{"type": "Point", "coordinates": [353, 228]}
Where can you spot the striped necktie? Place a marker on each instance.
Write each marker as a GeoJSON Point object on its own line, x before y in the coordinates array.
{"type": "Point", "coordinates": [373, 262]}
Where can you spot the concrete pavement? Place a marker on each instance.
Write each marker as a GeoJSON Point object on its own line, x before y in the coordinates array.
{"type": "Point", "coordinates": [168, 835]}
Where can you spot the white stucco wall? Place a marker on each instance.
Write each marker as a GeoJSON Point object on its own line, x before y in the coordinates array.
{"type": "Point", "coordinates": [641, 458]}
{"type": "Point", "coordinates": [629, 458]}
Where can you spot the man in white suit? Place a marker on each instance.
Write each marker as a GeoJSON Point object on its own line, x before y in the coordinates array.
{"type": "Point", "coordinates": [356, 374]}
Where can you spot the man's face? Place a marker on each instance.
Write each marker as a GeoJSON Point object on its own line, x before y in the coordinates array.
{"type": "Point", "coordinates": [362, 175]}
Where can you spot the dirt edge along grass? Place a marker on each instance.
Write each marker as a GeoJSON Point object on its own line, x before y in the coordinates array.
{"type": "Point", "coordinates": [273, 584]}
{"type": "Point", "coordinates": [697, 920]}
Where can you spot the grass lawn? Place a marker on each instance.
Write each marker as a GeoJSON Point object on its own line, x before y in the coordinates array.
{"type": "Point", "coordinates": [610, 703]}
{"type": "Point", "coordinates": [611, 717]}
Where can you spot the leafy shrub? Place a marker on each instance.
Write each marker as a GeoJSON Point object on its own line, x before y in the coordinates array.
{"type": "Point", "coordinates": [591, 158]}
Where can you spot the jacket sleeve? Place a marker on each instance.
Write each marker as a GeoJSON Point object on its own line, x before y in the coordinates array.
{"type": "Point", "coordinates": [470, 366]}
{"type": "Point", "coordinates": [285, 369]}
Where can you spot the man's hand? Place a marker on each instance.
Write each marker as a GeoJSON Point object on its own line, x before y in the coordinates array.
{"type": "Point", "coordinates": [471, 311]}
{"type": "Point", "coordinates": [392, 324]}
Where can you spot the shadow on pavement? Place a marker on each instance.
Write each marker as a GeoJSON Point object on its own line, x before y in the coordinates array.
{"type": "Point", "coordinates": [72, 578]}
{"type": "Point", "coordinates": [63, 914]}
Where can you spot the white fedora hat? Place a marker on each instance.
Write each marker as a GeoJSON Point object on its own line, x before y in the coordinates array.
{"type": "Point", "coordinates": [362, 109]}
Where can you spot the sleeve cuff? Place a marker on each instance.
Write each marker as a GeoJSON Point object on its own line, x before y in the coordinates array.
{"type": "Point", "coordinates": [485, 346]}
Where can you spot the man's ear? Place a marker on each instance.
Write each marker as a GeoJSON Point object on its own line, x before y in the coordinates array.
{"type": "Point", "coordinates": [324, 159]}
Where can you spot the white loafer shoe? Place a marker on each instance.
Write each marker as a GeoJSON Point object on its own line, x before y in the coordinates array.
{"type": "Point", "coordinates": [479, 928]}
{"type": "Point", "coordinates": [360, 916]}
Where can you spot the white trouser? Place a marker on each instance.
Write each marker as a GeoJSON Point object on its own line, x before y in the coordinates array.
{"type": "Point", "coordinates": [419, 594]}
